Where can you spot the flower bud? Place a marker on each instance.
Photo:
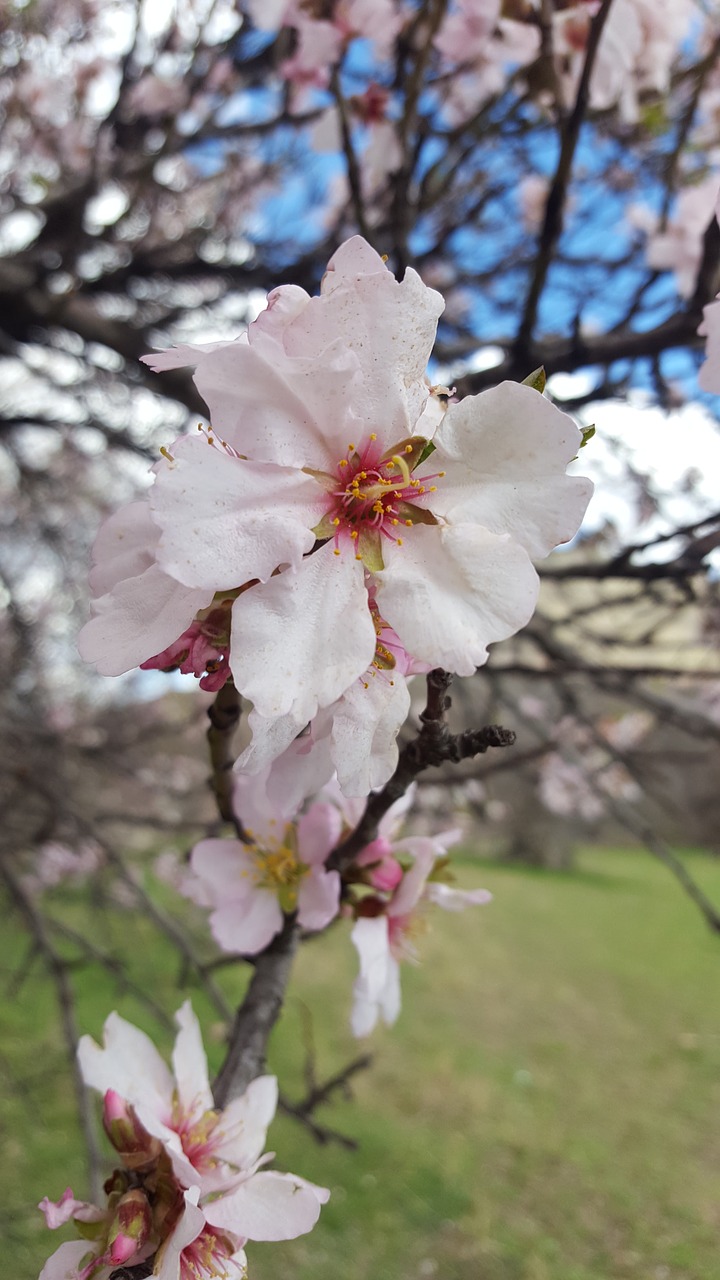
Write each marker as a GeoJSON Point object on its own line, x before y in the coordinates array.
{"type": "Point", "coordinates": [130, 1227]}
{"type": "Point", "coordinates": [127, 1135]}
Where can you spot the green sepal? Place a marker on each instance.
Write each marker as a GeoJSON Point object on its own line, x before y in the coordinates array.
{"type": "Point", "coordinates": [411, 449]}
{"type": "Point", "coordinates": [369, 549]}
{"type": "Point", "coordinates": [427, 451]}
{"type": "Point", "coordinates": [325, 528]}
{"type": "Point", "coordinates": [418, 515]}
{"type": "Point", "coordinates": [536, 379]}
{"type": "Point", "coordinates": [288, 898]}
{"type": "Point", "coordinates": [328, 482]}
{"type": "Point", "coordinates": [587, 434]}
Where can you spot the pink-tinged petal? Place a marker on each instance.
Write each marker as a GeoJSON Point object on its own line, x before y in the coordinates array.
{"type": "Point", "coordinates": [450, 592]}
{"type": "Point", "coordinates": [304, 767]}
{"type": "Point", "coordinates": [66, 1262]}
{"type": "Point", "coordinates": [301, 639]}
{"type": "Point", "coordinates": [318, 898]}
{"type": "Point", "coordinates": [274, 408]}
{"type": "Point", "coordinates": [188, 1227]}
{"type": "Point", "coordinates": [137, 619]}
{"type": "Point", "coordinates": [393, 820]}
{"type": "Point", "coordinates": [390, 997]}
{"type": "Point", "coordinates": [442, 895]}
{"type": "Point", "coordinates": [269, 1206]}
{"type": "Point", "coordinates": [410, 889]}
{"type": "Point", "coordinates": [504, 453]}
{"type": "Point", "coordinates": [246, 928]}
{"type": "Point", "coordinates": [318, 831]}
{"type": "Point", "coordinates": [186, 355]}
{"type": "Point", "coordinates": [129, 1063]}
{"type": "Point", "coordinates": [225, 521]}
{"type": "Point", "coordinates": [225, 867]}
{"type": "Point", "coordinates": [366, 723]}
{"type": "Point", "coordinates": [190, 1065]}
{"type": "Point", "coordinates": [283, 305]}
{"type": "Point", "coordinates": [389, 325]}
{"type": "Point", "coordinates": [124, 547]}
{"type": "Point", "coordinates": [270, 739]}
{"type": "Point", "coordinates": [58, 1212]}
{"type": "Point", "coordinates": [265, 819]}
{"type": "Point", "coordinates": [242, 1129]}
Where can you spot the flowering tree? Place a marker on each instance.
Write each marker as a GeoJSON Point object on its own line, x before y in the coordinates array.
{"type": "Point", "coordinates": [378, 470]}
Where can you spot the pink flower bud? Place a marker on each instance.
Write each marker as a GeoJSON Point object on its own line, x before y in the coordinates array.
{"type": "Point", "coordinates": [125, 1132]}
{"type": "Point", "coordinates": [121, 1250]}
{"type": "Point", "coordinates": [130, 1227]}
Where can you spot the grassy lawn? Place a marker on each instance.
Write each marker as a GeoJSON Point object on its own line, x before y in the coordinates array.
{"type": "Point", "coordinates": [547, 1108]}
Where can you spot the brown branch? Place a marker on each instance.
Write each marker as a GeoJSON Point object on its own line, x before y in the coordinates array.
{"type": "Point", "coordinates": [224, 716]}
{"type": "Point", "coordinates": [353, 168]}
{"type": "Point", "coordinates": [257, 1015]}
{"type": "Point", "coordinates": [553, 221]}
{"type": "Point", "coordinates": [433, 746]}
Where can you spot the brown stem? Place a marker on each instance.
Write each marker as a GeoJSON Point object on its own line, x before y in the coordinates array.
{"type": "Point", "coordinates": [224, 717]}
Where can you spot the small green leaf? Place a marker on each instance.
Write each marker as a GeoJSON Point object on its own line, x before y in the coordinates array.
{"type": "Point", "coordinates": [587, 434]}
{"type": "Point", "coordinates": [429, 448]}
{"type": "Point", "coordinates": [536, 379]}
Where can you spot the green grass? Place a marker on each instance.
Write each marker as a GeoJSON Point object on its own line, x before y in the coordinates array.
{"type": "Point", "coordinates": [547, 1107]}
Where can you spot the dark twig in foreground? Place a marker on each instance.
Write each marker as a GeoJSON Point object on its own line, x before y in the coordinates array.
{"type": "Point", "coordinates": [224, 716]}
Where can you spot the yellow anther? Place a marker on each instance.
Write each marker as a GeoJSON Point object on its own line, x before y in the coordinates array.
{"type": "Point", "coordinates": [351, 448]}
{"type": "Point", "coordinates": [409, 524]}
{"type": "Point", "coordinates": [399, 542]}
{"type": "Point", "coordinates": [441, 473]}
{"type": "Point", "coordinates": [358, 557]}
{"type": "Point", "coordinates": [379, 508]}
{"type": "Point", "coordinates": [392, 684]}
{"type": "Point", "coordinates": [365, 684]}
{"type": "Point", "coordinates": [200, 426]}
{"type": "Point", "coordinates": [336, 521]}
{"type": "Point", "coordinates": [363, 475]}
{"type": "Point", "coordinates": [354, 534]}
{"type": "Point", "coordinates": [408, 448]}
{"type": "Point", "coordinates": [395, 521]}
{"type": "Point", "coordinates": [390, 464]}
{"type": "Point", "coordinates": [336, 551]}
{"type": "Point", "coordinates": [373, 435]}
{"type": "Point", "coordinates": [433, 488]}
{"type": "Point", "coordinates": [166, 454]}
{"type": "Point", "coordinates": [421, 489]}
{"type": "Point", "coordinates": [342, 462]}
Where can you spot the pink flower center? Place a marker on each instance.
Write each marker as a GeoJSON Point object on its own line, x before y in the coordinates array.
{"type": "Point", "coordinates": [210, 1255]}
{"type": "Point", "coordinates": [198, 1138]}
{"type": "Point", "coordinates": [375, 495]}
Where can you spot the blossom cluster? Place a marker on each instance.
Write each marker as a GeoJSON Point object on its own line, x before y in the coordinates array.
{"type": "Point", "coordinates": [340, 527]}
{"type": "Point", "coordinates": [191, 1188]}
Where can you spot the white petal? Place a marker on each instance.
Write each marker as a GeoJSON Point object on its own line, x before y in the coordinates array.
{"type": "Point", "coordinates": [366, 723]}
{"type": "Point", "coordinates": [442, 895]}
{"type": "Point", "coordinates": [129, 1063]}
{"type": "Point", "coordinates": [247, 927]}
{"type": "Point", "coordinates": [319, 898]}
{"type": "Point", "coordinates": [389, 325]}
{"type": "Point", "coordinates": [273, 407]}
{"type": "Point", "coordinates": [450, 592]}
{"type": "Point", "coordinates": [269, 1206]}
{"type": "Point", "coordinates": [318, 831]}
{"type": "Point", "coordinates": [390, 999]}
{"type": "Point", "coordinates": [186, 355]}
{"type": "Point", "coordinates": [304, 767]}
{"type": "Point", "coordinates": [372, 940]}
{"type": "Point", "coordinates": [409, 891]}
{"type": "Point", "coordinates": [137, 619]}
{"type": "Point", "coordinates": [504, 453]}
{"type": "Point", "coordinates": [225, 867]}
{"type": "Point", "coordinates": [64, 1263]}
{"type": "Point", "coordinates": [241, 1132]}
{"type": "Point", "coordinates": [190, 1065]}
{"type": "Point", "coordinates": [225, 521]}
{"type": "Point", "coordinates": [188, 1227]}
{"type": "Point", "coordinates": [301, 639]}
{"type": "Point", "coordinates": [124, 547]}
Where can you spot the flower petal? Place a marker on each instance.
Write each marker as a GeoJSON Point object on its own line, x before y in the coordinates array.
{"type": "Point", "coordinates": [371, 938]}
{"type": "Point", "coordinates": [269, 1206]}
{"type": "Point", "coordinates": [366, 723]}
{"type": "Point", "coordinates": [225, 867]}
{"type": "Point", "coordinates": [137, 619]}
{"type": "Point", "coordinates": [124, 547]}
{"type": "Point", "coordinates": [318, 898]}
{"type": "Point", "coordinates": [318, 831]}
{"type": "Point", "coordinates": [273, 407]}
{"type": "Point", "coordinates": [450, 592]}
{"type": "Point", "coordinates": [247, 927]}
{"type": "Point", "coordinates": [64, 1263]}
{"type": "Point", "coordinates": [242, 1128]}
{"type": "Point", "coordinates": [188, 1227]}
{"type": "Point", "coordinates": [442, 895]}
{"type": "Point", "coordinates": [58, 1212]}
{"type": "Point", "coordinates": [226, 521]}
{"type": "Point", "coordinates": [190, 1065]}
{"type": "Point", "coordinates": [504, 453]}
{"type": "Point", "coordinates": [301, 639]}
{"type": "Point", "coordinates": [129, 1063]}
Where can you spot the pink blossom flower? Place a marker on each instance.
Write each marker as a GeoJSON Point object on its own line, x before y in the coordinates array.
{"type": "Point", "coordinates": [386, 935]}
{"type": "Point", "coordinates": [321, 412]}
{"type": "Point", "coordinates": [678, 247]}
{"type": "Point", "coordinates": [251, 886]}
{"type": "Point", "coordinates": [196, 1251]}
{"type": "Point", "coordinates": [217, 1152]}
{"type": "Point", "coordinates": [202, 650]}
